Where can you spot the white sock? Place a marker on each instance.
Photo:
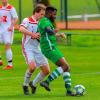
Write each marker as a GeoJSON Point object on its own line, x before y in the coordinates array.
{"type": "Point", "coordinates": [9, 56]}
{"type": "Point", "coordinates": [38, 78]}
{"type": "Point", "coordinates": [60, 70]}
{"type": "Point", "coordinates": [27, 78]}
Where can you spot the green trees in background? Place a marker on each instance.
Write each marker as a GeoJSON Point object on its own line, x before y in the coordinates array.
{"type": "Point", "coordinates": [45, 2]}
{"type": "Point", "coordinates": [98, 4]}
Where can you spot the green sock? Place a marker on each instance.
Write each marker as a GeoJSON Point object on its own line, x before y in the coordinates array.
{"type": "Point", "coordinates": [67, 79]}
{"type": "Point", "coordinates": [55, 74]}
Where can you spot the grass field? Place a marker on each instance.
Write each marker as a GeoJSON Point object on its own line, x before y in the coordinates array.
{"type": "Point", "coordinates": [85, 69]}
{"type": "Point", "coordinates": [86, 38]}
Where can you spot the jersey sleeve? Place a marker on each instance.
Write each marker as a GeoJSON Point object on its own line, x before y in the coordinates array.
{"type": "Point", "coordinates": [25, 23]}
{"type": "Point", "coordinates": [14, 13]}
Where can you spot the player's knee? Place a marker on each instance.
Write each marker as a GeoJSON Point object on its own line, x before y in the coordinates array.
{"type": "Point", "coordinates": [46, 72]}
{"type": "Point", "coordinates": [32, 67]}
{"type": "Point", "coordinates": [45, 69]}
{"type": "Point", "coordinates": [66, 68]}
{"type": "Point", "coordinates": [7, 46]}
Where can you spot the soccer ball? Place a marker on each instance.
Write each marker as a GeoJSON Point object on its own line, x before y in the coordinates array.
{"type": "Point", "coordinates": [79, 90]}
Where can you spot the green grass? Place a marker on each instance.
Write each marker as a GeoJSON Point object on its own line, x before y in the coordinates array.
{"type": "Point", "coordinates": [84, 38]}
{"type": "Point", "coordinates": [84, 62]}
{"type": "Point", "coordinates": [84, 67]}
{"type": "Point", "coordinates": [81, 7]}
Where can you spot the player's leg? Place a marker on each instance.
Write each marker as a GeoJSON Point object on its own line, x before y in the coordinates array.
{"type": "Point", "coordinates": [29, 71]}
{"type": "Point", "coordinates": [28, 74]}
{"type": "Point", "coordinates": [66, 75]}
{"type": "Point", "coordinates": [8, 56]}
{"type": "Point", "coordinates": [54, 75]}
{"type": "Point", "coordinates": [43, 63]}
{"type": "Point", "coordinates": [1, 62]}
{"type": "Point", "coordinates": [40, 76]}
{"type": "Point", "coordinates": [54, 56]}
{"type": "Point", "coordinates": [63, 68]}
{"type": "Point", "coordinates": [31, 67]}
{"type": "Point", "coordinates": [8, 39]}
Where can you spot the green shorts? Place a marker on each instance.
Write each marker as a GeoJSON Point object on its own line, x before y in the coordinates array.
{"type": "Point", "coordinates": [53, 55]}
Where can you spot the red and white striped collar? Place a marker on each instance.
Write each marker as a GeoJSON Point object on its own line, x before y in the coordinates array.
{"type": "Point", "coordinates": [8, 6]}
{"type": "Point", "coordinates": [32, 20]}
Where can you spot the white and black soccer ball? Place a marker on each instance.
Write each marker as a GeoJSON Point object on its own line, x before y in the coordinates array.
{"type": "Point", "coordinates": [79, 90]}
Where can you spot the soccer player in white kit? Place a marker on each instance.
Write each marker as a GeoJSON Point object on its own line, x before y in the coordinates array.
{"type": "Point", "coordinates": [8, 18]}
{"type": "Point", "coordinates": [31, 50]}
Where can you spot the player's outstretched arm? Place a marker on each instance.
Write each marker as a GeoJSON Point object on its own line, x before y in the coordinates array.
{"type": "Point", "coordinates": [25, 31]}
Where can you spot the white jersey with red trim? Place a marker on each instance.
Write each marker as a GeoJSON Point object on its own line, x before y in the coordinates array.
{"type": "Point", "coordinates": [7, 13]}
{"type": "Point", "coordinates": [30, 47]}
{"type": "Point", "coordinates": [31, 25]}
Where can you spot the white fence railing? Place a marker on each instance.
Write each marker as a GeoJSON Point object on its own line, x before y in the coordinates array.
{"type": "Point", "coordinates": [85, 17]}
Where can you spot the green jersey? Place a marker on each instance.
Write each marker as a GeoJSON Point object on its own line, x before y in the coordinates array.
{"type": "Point", "coordinates": [47, 42]}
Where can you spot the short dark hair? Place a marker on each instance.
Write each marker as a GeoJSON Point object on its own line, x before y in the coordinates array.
{"type": "Point", "coordinates": [38, 9]}
{"type": "Point", "coordinates": [50, 9]}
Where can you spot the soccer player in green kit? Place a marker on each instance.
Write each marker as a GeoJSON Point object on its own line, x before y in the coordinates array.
{"type": "Point", "coordinates": [48, 32]}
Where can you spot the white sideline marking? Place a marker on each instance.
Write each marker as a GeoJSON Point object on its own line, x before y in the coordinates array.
{"type": "Point", "coordinates": [14, 78]}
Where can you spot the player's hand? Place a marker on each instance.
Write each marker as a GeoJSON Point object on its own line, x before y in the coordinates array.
{"type": "Point", "coordinates": [17, 27]}
{"type": "Point", "coordinates": [35, 35]}
{"type": "Point", "coordinates": [63, 35]}
{"type": "Point", "coordinates": [57, 35]}
{"type": "Point", "coordinates": [10, 28]}
{"type": "Point", "coordinates": [56, 30]}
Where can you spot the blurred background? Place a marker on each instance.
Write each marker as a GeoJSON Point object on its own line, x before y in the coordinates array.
{"type": "Point", "coordinates": [78, 19]}
{"type": "Point", "coordinates": [71, 14]}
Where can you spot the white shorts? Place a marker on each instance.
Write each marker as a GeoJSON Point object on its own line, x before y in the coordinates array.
{"type": "Point", "coordinates": [36, 56]}
{"type": "Point", "coordinates": [6, 37]}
